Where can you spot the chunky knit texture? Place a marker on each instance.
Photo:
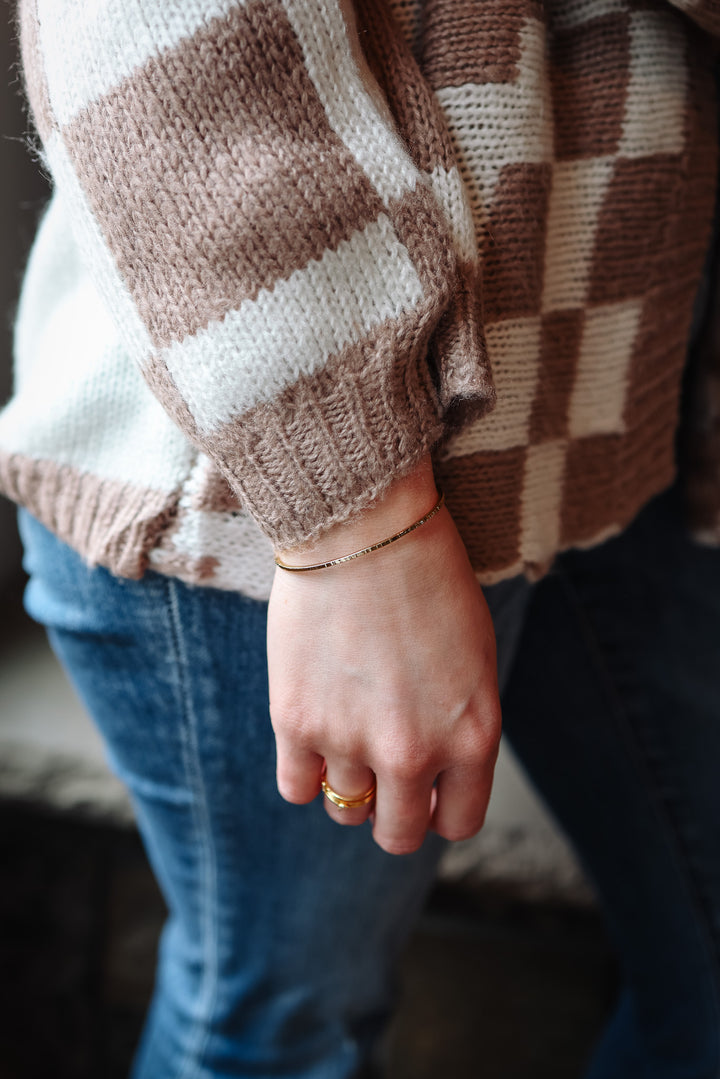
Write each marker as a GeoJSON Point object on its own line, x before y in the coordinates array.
{"type": "Point", "coordinates": [296, 244]}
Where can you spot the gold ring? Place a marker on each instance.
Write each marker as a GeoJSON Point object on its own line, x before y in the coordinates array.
{"type": "Point", "coordinates": [347, 803]}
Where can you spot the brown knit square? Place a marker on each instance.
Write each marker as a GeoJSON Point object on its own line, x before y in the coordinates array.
{"type": "Point", "coordinates": [198, 224]}
{"type": "Point", "coordinates": [590, 464]}
{"type": "Point", "coordinates": [635, 213]}
{"type": "Point", "coordinates": [616, 468]}
{"type": "Point", "coordinates": [513, 246]}
{"type": "Point", "coordinates": [474, 41]}
{"type": "Point", "coordinates": [559, 350]}
{"type": "Point", "coordinates": [484, 492]}
{"type": "Point", "coordinates": [590, 72]}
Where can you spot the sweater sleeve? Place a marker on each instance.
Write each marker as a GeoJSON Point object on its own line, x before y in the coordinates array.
{"type": "Point", "coordinates": [277, 262]}
{"type": "Point", "coordinates": [706, 13]}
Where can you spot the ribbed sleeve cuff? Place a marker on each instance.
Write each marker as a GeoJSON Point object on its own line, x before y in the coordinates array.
{"type": "Point", "coordinates": [333, 443]}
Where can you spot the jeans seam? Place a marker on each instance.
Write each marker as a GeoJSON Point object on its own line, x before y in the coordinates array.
{"type": "Point", "coordinates": [671, 832]}
{"type": "Point", "coordinates": [198, 1041]}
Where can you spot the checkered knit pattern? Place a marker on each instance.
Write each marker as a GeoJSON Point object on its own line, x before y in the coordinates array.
{"type": "Point", "coordinates": [581, 129]}
{"type": "Point", "coordinates": [295, 244]}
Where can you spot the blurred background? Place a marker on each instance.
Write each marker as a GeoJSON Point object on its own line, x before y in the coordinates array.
{"type": "Point", "coordinates": [22, 193]}
{"type": "Point", "coordinates": [508, 976]}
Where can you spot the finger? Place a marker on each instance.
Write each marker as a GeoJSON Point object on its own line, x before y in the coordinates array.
{"type": "Point", "coordinates": [402, 814]}
{"type": "Point", "coordinates": [298, 771]}
{"type": "Point", "coordinates": [349, 780]}
{"type": "Point", "coordinates": [463, 793]}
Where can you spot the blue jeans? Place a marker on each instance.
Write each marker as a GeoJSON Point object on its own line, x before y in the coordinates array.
{"type": "Point", "coordinates": [614, 708]}
{"type": "Point", "coordinates": [279, 951]}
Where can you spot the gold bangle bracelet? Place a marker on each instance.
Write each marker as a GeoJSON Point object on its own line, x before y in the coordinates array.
{"type": "Point", "coordinates": [366, 550]}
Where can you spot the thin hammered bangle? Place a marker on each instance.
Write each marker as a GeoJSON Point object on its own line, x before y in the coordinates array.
{"type": "Point", "coordinates": [366, 550]}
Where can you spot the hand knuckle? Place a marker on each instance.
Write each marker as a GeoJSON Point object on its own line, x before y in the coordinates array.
{"type": "Point", "coordinates": [480, 756]}
{"type": "Point", "coordinates": [481, 740]}
{"type": "Point", "coordinates": [406, 772]}
{"type": "Point", "coordinates": [283, 710]}
{"type": "Point", "coordinates": [291, 720]}
{"type": "Point", "coordinates": [403, 760]}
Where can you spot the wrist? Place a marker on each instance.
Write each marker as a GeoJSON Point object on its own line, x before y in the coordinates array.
{"type": "Point", "coordinates": [406, 500]}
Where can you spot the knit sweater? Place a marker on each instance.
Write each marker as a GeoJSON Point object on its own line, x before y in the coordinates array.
{"type": "Point", "coordinates": [294, 245]}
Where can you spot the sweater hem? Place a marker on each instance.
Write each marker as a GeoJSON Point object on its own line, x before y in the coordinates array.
{"type": "Point", "coordinates": [108, 522]}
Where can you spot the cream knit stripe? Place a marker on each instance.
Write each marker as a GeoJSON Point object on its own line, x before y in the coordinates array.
{"type": "Point", "coordinates": [217, 546]}
{"type": "Point", "coordinates": [292, 331]}
{"type": "Point", "coordinates": [578, 191]}
{"type": "Point", "coordinates": [655, 105]}
{"type": "Point", "coordinates": [541, 502]}
{"type": "Point", "coordinates": [90, 48]}
{"type": "Point", "coordinates": [348, 104]}
{"type": "Point", "coordinates": [217, 550]}
{"type": "Point", "coordinates": [516, 127]}
{"type": "Point", "coordinates": [80, 398]}
{"type": "Point", "coordinates": [451, 194]}
{"type": "Point", "coordinates": [100, 263]}
{"type": "Point", "coordinates": [109, 424]}
{"type": "Point", "coordinates": [86, 405]}
{"type": "Point", "coordinates": [568, 14]}
{"type": "Point", "coordinates": [597, 405]}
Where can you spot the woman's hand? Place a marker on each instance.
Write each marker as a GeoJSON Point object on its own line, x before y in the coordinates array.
{"type": "Point", "coordinates": [386, 665]}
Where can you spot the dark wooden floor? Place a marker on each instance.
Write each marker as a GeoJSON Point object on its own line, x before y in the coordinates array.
{"type": "Point", "coordinates": [491, 991]}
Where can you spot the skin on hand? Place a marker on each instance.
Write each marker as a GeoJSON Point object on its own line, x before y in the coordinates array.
{"type": "Point", "coordinates": [384, 668]}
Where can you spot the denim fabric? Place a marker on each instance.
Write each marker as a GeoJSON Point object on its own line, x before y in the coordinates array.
{"type": "Point", "coordinates": [278, 955]}
{"type": "Point", "coordinates": [279, 952]}
{"type": "Point", "coordinates": [614, 708]}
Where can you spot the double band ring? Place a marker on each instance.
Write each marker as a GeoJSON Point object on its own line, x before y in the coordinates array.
{"type": "Point", "coordinates": [347, 803]}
